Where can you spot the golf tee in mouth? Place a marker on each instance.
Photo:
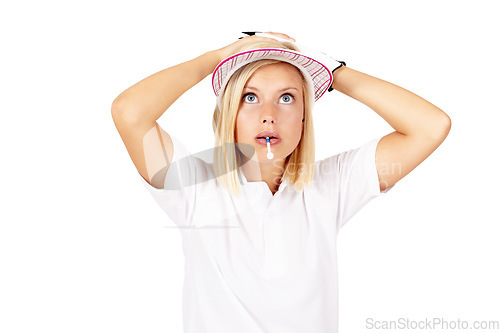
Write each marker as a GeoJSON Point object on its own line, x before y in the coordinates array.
{"type": "Point", "coordinates": [270, 155]}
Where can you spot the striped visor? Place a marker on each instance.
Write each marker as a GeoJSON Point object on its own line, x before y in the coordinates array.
{"type": "Point", "coordinates": [318, 75]}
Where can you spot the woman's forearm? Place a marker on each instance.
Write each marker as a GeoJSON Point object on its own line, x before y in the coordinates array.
{"type": "Point", "coordinates": [149, 98]}
{"type": "Point", "coordinates": [406, 112]}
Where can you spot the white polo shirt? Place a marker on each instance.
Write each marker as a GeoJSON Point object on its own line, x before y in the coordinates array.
{"type": "Point", "coordinates": [262, 263]}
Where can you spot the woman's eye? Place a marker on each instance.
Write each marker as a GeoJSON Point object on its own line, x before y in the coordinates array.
{"type": "Point", "coordinates": [287, 98]}
{"type": "Point", "coordinates": [250, 98]}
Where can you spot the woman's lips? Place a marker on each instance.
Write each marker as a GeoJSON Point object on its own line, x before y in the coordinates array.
{"type": "Point", "coordinates": [272, 141]}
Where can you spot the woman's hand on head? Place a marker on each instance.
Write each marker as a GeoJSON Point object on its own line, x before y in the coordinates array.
{"type": "Point", "coordinates": [233, 48]}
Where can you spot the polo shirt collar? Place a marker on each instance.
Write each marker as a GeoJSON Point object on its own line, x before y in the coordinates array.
{"type": "Point", "coordinates": [283, 184]}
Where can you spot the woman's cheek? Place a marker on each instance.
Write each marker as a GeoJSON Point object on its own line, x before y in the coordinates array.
{"type": "Point", "coordinates": [243, 121]}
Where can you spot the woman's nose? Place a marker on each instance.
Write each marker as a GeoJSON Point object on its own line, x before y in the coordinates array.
{"type": "Point", "coordinates": [268, 119]}
{"type": "Point", "coordinates": [268, 114]}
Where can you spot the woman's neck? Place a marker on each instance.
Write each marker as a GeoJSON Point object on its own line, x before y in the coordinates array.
{"type": "Point", "coordinates": [270, 172]}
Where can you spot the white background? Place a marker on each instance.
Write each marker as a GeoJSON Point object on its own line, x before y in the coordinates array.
{"type": "Point", "coordinates": [83, 245]}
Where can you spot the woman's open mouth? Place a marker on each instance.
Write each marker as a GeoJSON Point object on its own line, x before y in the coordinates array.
{"type": "Point", "coordinates": [272, 140]}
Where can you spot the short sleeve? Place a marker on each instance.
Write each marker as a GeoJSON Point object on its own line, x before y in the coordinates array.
{"type": "Point", "coordinates": [178, 195]}
{"type": "Point", "coordinates": [358, 180]}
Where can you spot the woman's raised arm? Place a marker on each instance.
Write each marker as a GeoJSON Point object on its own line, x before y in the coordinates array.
{"type": "Point", "coordinates": [420, 126]}
{"type": "Point", "coordinates": [136, 110]}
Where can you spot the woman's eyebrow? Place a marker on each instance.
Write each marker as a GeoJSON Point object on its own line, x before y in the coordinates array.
{"type": "Point", "coordinates": [254, 88]}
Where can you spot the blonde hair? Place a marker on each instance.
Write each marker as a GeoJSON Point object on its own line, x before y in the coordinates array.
{"type": "Point", "coordinates": [299, 165]}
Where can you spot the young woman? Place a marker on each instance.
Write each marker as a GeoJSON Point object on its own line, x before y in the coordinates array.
{"type": "Point", "coordinates": [259, 222]}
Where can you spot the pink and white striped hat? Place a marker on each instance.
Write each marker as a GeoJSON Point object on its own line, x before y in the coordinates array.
{"type": "Point", "coordinates": [315, 72]}
{"type": "Point", "coordinates": [317, 67]}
